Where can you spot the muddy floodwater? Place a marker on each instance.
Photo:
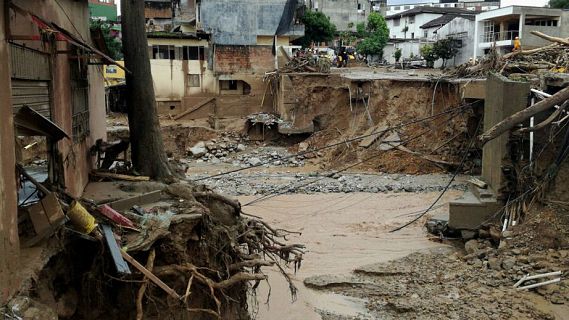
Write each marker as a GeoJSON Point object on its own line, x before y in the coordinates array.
{"type": "Point", "coordinates": [341, 232]}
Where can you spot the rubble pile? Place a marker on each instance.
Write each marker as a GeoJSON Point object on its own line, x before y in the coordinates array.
{"type": "Point", "coordinates": [442, 284]}
{"type": "Point", "coordinates": [239, 184]}
{"type": "Point", "coordinates": [527, 64]}
{"type": "Point", "coordinates": [241, 155]}
{"type": "Point", "coordinates": [187, 252]}
{"type": "Point", "coordinates": [307, 64]}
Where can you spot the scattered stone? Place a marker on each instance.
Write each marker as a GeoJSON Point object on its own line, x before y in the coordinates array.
{"type": "Point", "coordinates": [467, 234]}
{"type": "Point", "coordinates": [254, 161]}
{"type": "Point", "coordinates": [471, 246]}
{"type": "Point", "coordinates": [494, 263]}
{"type": "Point", "coordinates": [508, 263]}
{"type": "Point", "coordinates": [198, 149]}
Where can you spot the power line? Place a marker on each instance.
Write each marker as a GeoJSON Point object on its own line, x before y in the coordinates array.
{"type": "Point", "coordinates": [400, 125]}
{"type": "Point", "coordinates": [462, 161]}
{"type": "Point", "coordinates": [286, 189]}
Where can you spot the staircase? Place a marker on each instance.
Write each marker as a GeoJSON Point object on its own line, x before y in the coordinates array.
{"type": "Point", "coordinates": [473, 208]}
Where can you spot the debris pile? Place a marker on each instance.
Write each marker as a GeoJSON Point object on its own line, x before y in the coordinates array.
{"type": "Point", "coordinates": [525, 63]}
{"type": "Point", "coordinates": [307, 64]}
{"type": "Point", "coordinates": [498, 275]}
{"type": "Point", "coordinates": [175, 251]}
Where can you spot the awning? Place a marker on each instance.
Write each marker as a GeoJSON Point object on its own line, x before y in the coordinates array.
{"type": "Point", "coordinates": [63, 35]}
{"type": "Point", "coordinates": [30, 123]}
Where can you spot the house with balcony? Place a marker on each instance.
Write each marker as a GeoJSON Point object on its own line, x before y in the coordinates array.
{"type": "Point", "coordinates": [414, 28]}
{"type": "Point", "coordinates": [498, 28]}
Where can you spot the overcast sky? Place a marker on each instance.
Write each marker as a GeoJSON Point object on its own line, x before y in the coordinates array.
{"type": "Point", "coordinates": [505, 3]}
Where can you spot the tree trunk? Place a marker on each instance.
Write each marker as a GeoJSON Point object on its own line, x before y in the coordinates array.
{"type": "Point", "coordinates": [148, 154]}
{"type": "Point", "coordinates": [557, 99]}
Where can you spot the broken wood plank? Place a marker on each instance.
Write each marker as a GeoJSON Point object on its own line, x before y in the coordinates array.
{"type": "Point", "coordinates": [479, 183]}
{"type": "Point", "coordinates": [117, 176]}
{"type": "Point", "coordinates": [120, 264]}
{"type": "Point", "coordinates": [150, 275]}
{"type": "Point", "coordinates": [371, 137]}
{"type": "Point", "coordinates": [194, 108]}
{"type": "Point", "coordinates": [146, 198]}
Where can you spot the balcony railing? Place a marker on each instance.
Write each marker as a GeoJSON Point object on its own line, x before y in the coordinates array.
{"type": "Point", "coordinates": [500, 36]}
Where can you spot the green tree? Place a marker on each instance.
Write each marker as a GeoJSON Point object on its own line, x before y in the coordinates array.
{"type": "Point", "coordinates": [361, 30]}
{"type": "Point", "coordinates": [113, 43]}
{"type": "Point", "coordinates": [397, 54]}
{"type": "Point", "coordinates": [559, 4]}
{"type": "Point", "coordinates": [318, 28]}
{"type": "Point", "coordinates": [445, 49]}
{"type": "Point", "coordinates": [374, 36]}
{"type": "Point", "coordinates": [428, 53]}
{"type": "Point", "coordinates": [347, 38]}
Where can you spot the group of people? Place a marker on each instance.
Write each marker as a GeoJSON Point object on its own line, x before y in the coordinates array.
{"type": "Point", "coordinates": [338, 57]}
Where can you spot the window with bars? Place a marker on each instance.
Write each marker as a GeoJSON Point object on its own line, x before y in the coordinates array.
{"type": "Point", "coordinates": [193, 80]}
{"type": "Point", "coordinates": [193, 53]}
{"type": "Point", "coordinates": [79, 100]}
{"type": "Point", "coordinates": [163, 52]}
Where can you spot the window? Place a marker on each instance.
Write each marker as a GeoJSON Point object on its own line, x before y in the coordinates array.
{"type": "Point", "coordinates": [79, 100]}
{"type": "Point", "coordinates": [426, 34]}
{"type": "Point", "coordinates": [412, 35]}
{"type": "Point", "coordinates": [397, 8]}
{"type": "Point", "coordinates": [411, 19]}
{"type": "Point", "coordinates": [406, 7]}
{"type": "Point", "coordinates": [543, 23]}
{"type": "Point", "coordinates": [163, 52]}
{"type": "Point", "coordinates": [228, 84]}
{"type": "Point", "coordinates": [359, 6]}
{"type": "Point", "coordinates": [193, 80]}
{"type": "Point", "coordinates": [396, 22]}
{"type": "Point", "coordinates": [193, 53]}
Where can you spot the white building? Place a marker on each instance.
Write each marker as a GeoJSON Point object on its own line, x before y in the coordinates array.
{"type": "Point", "coordinates": [412, 29]}
{"type": "Point", "coordinates": [394, 7]}
{"type": "Point", "coordinates": [500, 27]}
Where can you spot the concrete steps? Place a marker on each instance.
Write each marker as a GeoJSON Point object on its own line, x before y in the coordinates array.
{"type": "Point", "coordinates": [474, 208]}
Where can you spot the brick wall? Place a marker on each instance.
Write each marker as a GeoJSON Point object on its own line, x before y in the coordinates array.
{"type": "Point", "coordinates": [243, 59]}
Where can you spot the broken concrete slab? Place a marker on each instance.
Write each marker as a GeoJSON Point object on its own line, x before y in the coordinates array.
{"type": "Point", "coordinates": [391, 141]}
{"type": "Point", "coordinates": [370, 137]}
{"type": "Point", "coordinates": [469, 212]}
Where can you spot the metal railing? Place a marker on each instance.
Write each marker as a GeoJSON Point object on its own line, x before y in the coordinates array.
{"type": "Point", "coordinates": [500, 36]}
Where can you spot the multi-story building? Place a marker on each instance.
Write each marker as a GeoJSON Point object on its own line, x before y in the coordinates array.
{"type": "Point", "coordinates": [345, 14]}
{"type": "Point", "coordinates": [50, 89]}
{"type": "Point", "coordinates": [414, 28]}
{"type": "Point", "coordinates": [395, 7]}
{"type": "Point", "coordinates": [498, 28]}
{"type": "Point", "coordinates": [205, 61]}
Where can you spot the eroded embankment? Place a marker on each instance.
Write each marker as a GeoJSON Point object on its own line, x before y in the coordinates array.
{"type": "Point", "coordinates": [430, 128]}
